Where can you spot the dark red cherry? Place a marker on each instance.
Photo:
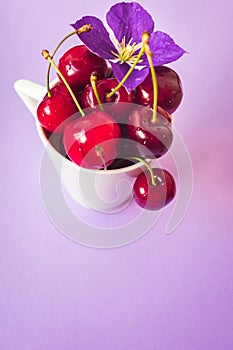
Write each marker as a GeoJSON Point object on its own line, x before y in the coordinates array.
{"type": "Point", "coordinates": [119, 105]}
{"type": "Point", "coordinates": [169, 90]}
{"type": "Point", "coordinates": [78, 63]}
{"type": "Point", "coordinates": [154, 197]}
{"type": "Point", "coordinates": [82, 136]}
{"type": "Point", "coordinates": [53, 111]}
{"type": "Point", "coordinates": [152, 139]}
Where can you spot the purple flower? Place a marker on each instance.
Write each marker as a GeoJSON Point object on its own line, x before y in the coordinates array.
{"type": "Point", "coordinates": [128, 21]}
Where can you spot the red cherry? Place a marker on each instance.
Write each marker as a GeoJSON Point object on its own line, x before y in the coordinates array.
{"type": "Point", "coordinates": [169, 90]}
{"type": "Point", "coordinates": [119, 105]}
{"type": "Point", "coordinates": [154, 197]}
{"type": "Point", "coordinates": [151, 138]}
{"type": "Point", "coordinates": [53, 111]}
{"type": "Point", "coordinates": [78, 63]}
{"type": "Point", "coordinates": [81, 137]}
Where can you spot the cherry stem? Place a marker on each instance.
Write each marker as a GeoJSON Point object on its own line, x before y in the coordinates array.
{"type": "Point", "coordinates": [47, 56]}
{"type": "Point", "coordinates": [149, 54]}
{"type": "Point", "coordinates": [84, 29]}
{"type": "Point", "coordinates": [148, 167]}
{"type": "Point", "coordinates": [141, 52]}
{"type": "Point", "coordinates": [93, 80]}
{"type": "Point", "coordinates": [100, 153]}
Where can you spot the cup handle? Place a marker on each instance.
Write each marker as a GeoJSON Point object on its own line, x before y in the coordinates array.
{"type": "Point", "coordinates": [30, 93]}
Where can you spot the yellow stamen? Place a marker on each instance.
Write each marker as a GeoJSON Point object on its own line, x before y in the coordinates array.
{"type": "Point", "coordinates": [126, 52]}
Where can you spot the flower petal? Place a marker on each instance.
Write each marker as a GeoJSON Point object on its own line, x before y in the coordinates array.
{"type": "Point", "coordinates": [129, 20]}
{"type": "Point", "coordinates": [135, 78]}
{"type": "Point", "coordinates": [164, 48]}
{"type": "Point", "coordinates": [97, 40]}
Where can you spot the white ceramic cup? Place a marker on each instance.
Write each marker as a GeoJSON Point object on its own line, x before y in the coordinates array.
{"type": "Point", "coordinates": [105, 191]}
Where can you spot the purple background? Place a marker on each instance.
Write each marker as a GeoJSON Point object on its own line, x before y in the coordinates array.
{"type": "Point", "coordinates": [163, 291]}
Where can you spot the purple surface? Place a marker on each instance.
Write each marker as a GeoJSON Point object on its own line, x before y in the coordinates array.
{"type": "Point", "coordinates": [163, 291]}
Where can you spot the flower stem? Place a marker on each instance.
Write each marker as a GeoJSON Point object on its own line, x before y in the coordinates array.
{"type": "Point", "coordinates": [93, 80]}
{"type": "Point", "coordinates": [148, 167]}
{"type": "Point", "coordinates": [84, 29]}
{"type": "Point", "coordinates": [141, 52]}
{"type": "Point", "coordinates": [149, 55]}
{"type": "Point", "coordinates": [47, 56]}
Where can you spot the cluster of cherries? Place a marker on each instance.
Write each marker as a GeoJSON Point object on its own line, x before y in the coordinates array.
{"type": "Point", "coordinates": [116, 129]}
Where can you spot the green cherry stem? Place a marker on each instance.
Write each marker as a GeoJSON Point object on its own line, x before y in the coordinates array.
{"type": "Point", "coordinates": [149, 54]}
{"type": "Point", "coordinates": [93, 80]}
{"type": "Point", "coordinates": [141, 52]}
{"type": "Point", "coordinates": [100, 153]}
{"type": "Point", "coordinates": [84, 29]}
{"type": "Point", "coordinates": [47, 56]}
{"type": "Point", "coordinates": [148, 167]}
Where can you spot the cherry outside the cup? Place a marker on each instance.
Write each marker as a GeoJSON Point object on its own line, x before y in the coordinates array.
{"type": "Point", "coordinates": [169, 90]}
{"type": "Point", "coordinates": [83, 136]}
{"type": "Point", "coordinates": [53, 111]}
{"type": "Point", "coordinates": [154, 197]}
{"type": "Point", "coordinates": [152, 139]}
{"type": "Point", "coordinates": [78, 63]}
{"type": "Point", "coordinates": [119, 105]}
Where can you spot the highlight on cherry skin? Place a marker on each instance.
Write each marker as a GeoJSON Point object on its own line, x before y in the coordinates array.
{"type": "Point", "coordinates": [54, 110]}
{"type": "Point", "coordinates": [78, 63]}
{"type": "Point", "coordinates": [156, 195]}
{"type": "Point", "coordinates": [84, 137]}
{"type": "Point", "coordinates": [156, 136]}
{"type": "Point", "coordinates": [170, 91]}
{"type": "Point", "coordinates": [119, 105]}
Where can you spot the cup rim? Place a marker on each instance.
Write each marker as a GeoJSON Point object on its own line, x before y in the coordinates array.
{"type": "Point", "coordinates": [127, 169]}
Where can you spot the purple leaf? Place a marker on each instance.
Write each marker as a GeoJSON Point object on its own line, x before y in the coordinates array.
{"type": "Point", "coordinates": [135, 78]}
{"type": "Point", "coordinates": [97, 40]}
{"type": "Point", "coordinates": [129, 20]}
{"type": "Point", "coordinates": [164, 48]}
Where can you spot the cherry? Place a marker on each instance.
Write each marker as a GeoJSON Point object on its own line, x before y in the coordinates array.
{"type": "Point", "coordinates": [169, 90]}
{"type": "Point", "coordinates": [78, 63]}
{"type": "Point", "coordinates": [53, 111]}
{"type": "Point", "coordinates": [152, 138]}
{"type": "Point", "coordinates": [154, 197]}
{"type": "Point", "coordinates": [119, 105]}
{"type": "Point", "coordinates": [92, 141]}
